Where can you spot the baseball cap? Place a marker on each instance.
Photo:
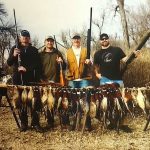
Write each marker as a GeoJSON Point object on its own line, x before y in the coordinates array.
{"type": "Point", "coordinates": [76, 36]}
{"type": "Point", "coordinates": [49, 37]}
{"type": "Point", "coordinates": [104, 36]}
{"type": "Point", "coordinates": [25, 33]}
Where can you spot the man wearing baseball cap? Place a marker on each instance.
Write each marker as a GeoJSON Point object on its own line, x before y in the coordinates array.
{"type": "Point", "coordinates": [76, 59]}
{"type": "Point", "coordinates": [107, 62]}
{"type": "Point", "coordinates": [26, 69]}
{"type": "Point", "coordinates": [25, 59]}
{"type": "Point", "coordinates": [51, 59]}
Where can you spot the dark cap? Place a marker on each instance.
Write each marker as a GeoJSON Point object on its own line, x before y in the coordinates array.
{"type": "Point", "coordinates": [104, 36]}
{"type": "Point", "coordinates": [49, 37]}
{"type": "Point", "coordinates": [25, 33]}
{"type": "Point", "coordinates": [76, 36]}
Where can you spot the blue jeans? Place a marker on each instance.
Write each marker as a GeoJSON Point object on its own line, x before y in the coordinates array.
{"type": "Point", "coordinates": [79, 84]}
{"type": "Point", "coordinates": [105, 80]}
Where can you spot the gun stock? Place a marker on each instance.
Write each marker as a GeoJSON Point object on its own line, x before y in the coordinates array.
{"type": "Point", "coordinates": [131, 57]}
{"type": "Point", "coordinates": [62, 82]}
{"type": "Point", "coordinates": [61, 76]}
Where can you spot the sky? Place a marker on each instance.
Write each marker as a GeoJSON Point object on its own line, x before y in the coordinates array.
{"type": "Point", "coordinates": [50, 17]}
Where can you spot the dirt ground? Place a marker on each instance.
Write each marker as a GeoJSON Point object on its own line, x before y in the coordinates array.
{"type": "Point", "coordinates": [12, 139]}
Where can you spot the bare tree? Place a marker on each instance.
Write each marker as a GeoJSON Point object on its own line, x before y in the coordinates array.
{"type": "Point", "coordinates": [3, 12]}
{"type": "Point", "coordinates": [123, 22]}
{"type": "Point", "coordinates": [7, 34]}
{"type": "Point", "coordinates": [65, 37]}
{"type": "Point", "coordinates": [3, 33]}
{"type": "Point", "coordinates": [35, 42]}
{"type": "Point", "coordinates": [100, 22]}
{"type": "Point", "coordinates": [138, 26]}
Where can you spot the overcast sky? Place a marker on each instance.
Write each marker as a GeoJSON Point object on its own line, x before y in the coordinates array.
{"type": "Point", "coordinates": [49, 17]}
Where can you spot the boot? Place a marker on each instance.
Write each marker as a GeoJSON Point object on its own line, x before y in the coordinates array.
{"type": "Point", "coordinates": [24, 120]}
{"type": "Point", "coordinates": [88, 123]}
{"type": "Point", "coordinates": [65, 119]}
{"type": "Point", "coordinates": [50, 119]}
{"type": "Point", "coordinates": [35, 124]}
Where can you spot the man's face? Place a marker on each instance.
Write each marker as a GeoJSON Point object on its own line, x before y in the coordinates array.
{"type": "Point", "coordinates": [49, 43]}
{"type": "Point", "coordinates": [76, 42]}
{"type": "Point", "coordinates": [104, 42]}
{"type": "Point", "coordinates": [24, 40]}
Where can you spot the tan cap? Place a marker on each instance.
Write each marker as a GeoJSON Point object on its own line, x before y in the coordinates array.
{"type": "Point", "coordinates": [49, 37]}
{"type": "Point", "coordinates": [76, 36]}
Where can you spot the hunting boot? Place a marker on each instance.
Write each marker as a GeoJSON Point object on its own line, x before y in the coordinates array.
{"type": "Point", "coordinates": [88, 123]}
{"type": "Point", "coordinates": [35, 122]}
{"type": "Point", "coordinates": [74, 123]}
{"type": "Point", "coordinates": [65, 120]}
{"type": "Point", "coordinates": [124, 127]}
{"type": "Point", "coordinates": [24, 120]}
{"type": "Point", "coordinates": [50, 119]}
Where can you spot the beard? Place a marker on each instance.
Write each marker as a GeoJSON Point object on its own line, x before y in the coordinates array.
{"type": "Point", "coordinates": [105, 44]}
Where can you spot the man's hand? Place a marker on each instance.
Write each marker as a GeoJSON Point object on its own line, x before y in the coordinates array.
{"type": "Point", "coordinates": [88, 61]}
{"type": "Point", "coordinates": [136, 53]}
{"type": "Point", "coordinates": [22, 69]}
{"type": "Point", "coordinates": [16, 52]}
{"type": "Point", "coordinates": [98, 75]}
{"type": "Point", "coordinates": [59, 60]}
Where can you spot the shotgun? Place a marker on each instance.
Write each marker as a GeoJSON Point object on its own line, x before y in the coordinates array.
{"type": "Point", "coordinates": [87, 67]}
{"type": "Point", "coordinates": [131, 57]}
{"type": "Point", "coordinates": [62, 82]}
{"type": "Point", "coordinates": [17, 45]}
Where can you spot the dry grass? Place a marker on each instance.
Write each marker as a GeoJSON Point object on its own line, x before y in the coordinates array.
{"type": "Point", "coordinates": [138, 72]}
{"type": "Point", "coordinates": [12, 139]}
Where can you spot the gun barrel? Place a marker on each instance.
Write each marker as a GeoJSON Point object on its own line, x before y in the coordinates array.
{"type": "Point", "coordinates": [89, 36]}
{"type": "Point", "coordinates": [16, 29]}
{"type": "Point", "coordinates": [91, 18]}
